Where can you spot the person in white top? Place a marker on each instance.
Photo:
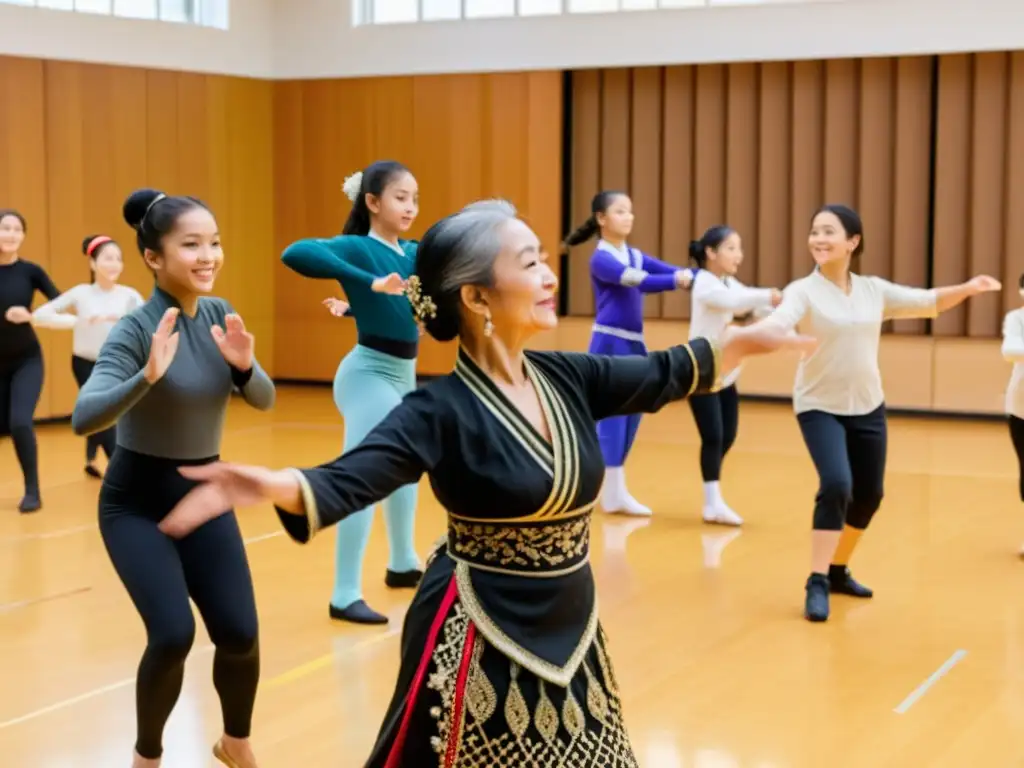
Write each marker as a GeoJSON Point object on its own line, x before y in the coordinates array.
{"type": "Point", "coordinates": [1013, 352]}
{"type": "Point", "coordinates": [96, 307]}
{"type": "Point", "coordinates": [718, 298]}
{"type": "Point", "coordinates": [838, 395]}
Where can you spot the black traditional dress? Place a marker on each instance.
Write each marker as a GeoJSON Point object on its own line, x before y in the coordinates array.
{"type": "Point", "coordinates": [503, 661]}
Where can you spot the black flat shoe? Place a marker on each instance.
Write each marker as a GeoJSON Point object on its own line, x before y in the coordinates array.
{"type": "Point", "coordinates": [358, 613]}
{"type": "Point", "coordinates": [91, 471]}
{"type": "Point", "coordinates": [816, 606]}
{"type": "Point", "coordinates": [842, 583]}
{"type": "Point", "coordinates": [30, 503]}
{"type": "Point", "coordinates": [403, 579]}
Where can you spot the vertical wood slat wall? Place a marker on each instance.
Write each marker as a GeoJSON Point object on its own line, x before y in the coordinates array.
{"type": "Point", "coordinates": [465, 137]}
{"type": "Point", "coordinates": [930, 150]}
{"type": "Point", "coordinates": [77, 138]}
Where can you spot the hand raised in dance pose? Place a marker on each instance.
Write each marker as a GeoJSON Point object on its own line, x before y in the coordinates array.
{"type": "Point", "coordinates": [234, 342]}
{"type": "Point", "coordinates": [163, 347]}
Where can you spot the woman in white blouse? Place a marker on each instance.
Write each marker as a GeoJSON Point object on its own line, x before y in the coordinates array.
{"type": "Point", "coordinates": [1013, 352]}
{"type": "Point", "coordinates": [717, 299]}
{"type": "Point", "coordinates": [96, 306]}
{"type": "Point", "coordinates": [838, 395]}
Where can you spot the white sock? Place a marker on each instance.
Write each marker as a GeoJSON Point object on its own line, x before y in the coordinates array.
{"type": "Point", "coordinates": [712, 494]}
{"type": "Point", "coordinates": [614, 483]}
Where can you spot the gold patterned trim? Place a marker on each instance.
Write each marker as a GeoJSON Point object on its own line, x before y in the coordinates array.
{"type": "Point", "coordinates": [495, 635]}
{"type": "Point", "coordinates": [504, 414]}
{"type": "Point", "coordinates": [567, 469]}
{"type": "Point", "coordinates": [525, 518]}
{"type": "Point", "coordinates": [696, 369]}
{"type": "Point", "coordinates": [716, 362]}
{"type": "Point", "coordinates": [308, 502]}
{"type": "Point", "coordinates": [545, 550]}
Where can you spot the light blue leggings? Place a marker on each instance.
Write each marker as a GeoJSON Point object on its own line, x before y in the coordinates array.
{"type": "Point", "coordinates": [367, 386]}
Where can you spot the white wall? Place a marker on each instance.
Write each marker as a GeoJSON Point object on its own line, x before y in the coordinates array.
{"type": "Point", "coordinates": [314, 38]}
{"type": "Point", "coordinates": [244, 49]}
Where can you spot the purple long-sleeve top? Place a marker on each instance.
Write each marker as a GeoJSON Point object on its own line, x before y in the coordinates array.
{"type": "Point", "coordinates": [619, 286]}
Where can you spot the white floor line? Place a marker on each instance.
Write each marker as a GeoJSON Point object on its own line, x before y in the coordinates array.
{"type": "Point", "coordinates": [923, 688]}
{"type": "Point", "coordinates": [65, 703]}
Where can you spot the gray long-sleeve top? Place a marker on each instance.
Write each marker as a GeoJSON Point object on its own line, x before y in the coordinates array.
{"type": "Point", "coordinates": [181, 416]}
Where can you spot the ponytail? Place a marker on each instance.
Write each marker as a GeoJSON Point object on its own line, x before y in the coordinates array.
{"type": "Point", "coordinates": [712, 238]}
{"type": "Point", "coordinates": [697, 254]}
{"type": "Point", "coordinates": [373, 181]}
{"type": "Point", "coordinates": [590, 227]}
{"type": "Point", "coordinates": [583, 232]}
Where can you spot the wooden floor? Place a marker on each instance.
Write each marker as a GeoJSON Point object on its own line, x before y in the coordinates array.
{"type": "Point", "coordinates": [718, 667]}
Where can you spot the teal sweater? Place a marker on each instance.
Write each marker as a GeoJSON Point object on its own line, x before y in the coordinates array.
{"type": "Point", "coordinates": [356, 261]}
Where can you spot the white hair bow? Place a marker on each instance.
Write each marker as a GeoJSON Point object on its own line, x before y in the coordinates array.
{"type": "Point", "coordinates": [352, 185]}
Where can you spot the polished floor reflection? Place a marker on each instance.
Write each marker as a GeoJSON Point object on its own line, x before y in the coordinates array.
{"type": "Point", "coordinates": [718, 668]}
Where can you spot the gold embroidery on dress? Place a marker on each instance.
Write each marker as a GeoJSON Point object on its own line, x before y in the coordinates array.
{"type": "Point", "coordinates": [483, 743]}
{"type": "Point", "coordinates": [567, 469]}
{"type": "Point", "coordinates": [515, 549]}
{"type": "Point", "coordinates": [496, 636]}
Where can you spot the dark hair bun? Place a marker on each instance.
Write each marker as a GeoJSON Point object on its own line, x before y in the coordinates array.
{"type": "Point", "coordinates": [444, 326]}
{"type": "Point", "coordinates": [137, 204]}
{"type": "Point", "coordinates": [696, 251]}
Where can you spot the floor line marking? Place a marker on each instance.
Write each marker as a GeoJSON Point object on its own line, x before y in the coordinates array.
{"type": "Point", "coordinates": [296, 673]}
{"type": "Point", "coordinates": [935, 676]}
{"type": "Point", "coordinates": [65, 703]}
{"type": "Point", "coordinates": [8, 607]}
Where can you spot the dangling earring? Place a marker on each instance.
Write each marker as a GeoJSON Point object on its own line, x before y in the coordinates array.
{"type": "Point", "coordinates": [488, 325]}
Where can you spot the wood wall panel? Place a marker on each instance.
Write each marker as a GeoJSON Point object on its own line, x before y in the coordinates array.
{"type": "Point", "coordinates": [465, 137]}
{"type": "Point", "coordinates": [759, 147]}
{"type": "Point", "coordinates": [84, 136]}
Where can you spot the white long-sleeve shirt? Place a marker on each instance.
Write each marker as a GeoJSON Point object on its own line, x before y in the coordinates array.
{"type": "Point", "coordinates": [1013, 352]}
{"type": "Point", "coordinates": [841, 376]}
{"type": "Point", "coordinates": [715, 303]}
{"type": "Point", "coordinates": [89, 302]}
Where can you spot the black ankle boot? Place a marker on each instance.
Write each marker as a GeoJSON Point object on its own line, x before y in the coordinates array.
{"type": "Point", "coordinates": [816, 604]}
{"type": "Point", "coordinates": [842, 583]}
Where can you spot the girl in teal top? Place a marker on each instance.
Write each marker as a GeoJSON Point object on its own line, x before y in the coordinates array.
{"type": "Point", "coordinates": [372, 264]}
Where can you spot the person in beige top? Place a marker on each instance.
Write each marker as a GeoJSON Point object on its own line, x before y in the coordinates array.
{"type": "Point", "coordinates": [838, 395]}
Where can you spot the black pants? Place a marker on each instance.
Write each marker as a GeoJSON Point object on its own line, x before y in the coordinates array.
{"type": "Point", "coordinates": [107, 439]}
{"type": "Point", "coordinates": [161, 574]}
{"type": "Point", "coordinates": [1017, 436]}
{"type": "Point", "coordinates": [717, 416]}
{"type": "Point", "coordinates": [21, 382]}
{"type": "Point", "coordinates": [849, 454]}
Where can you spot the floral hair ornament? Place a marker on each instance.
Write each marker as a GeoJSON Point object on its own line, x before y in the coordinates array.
{"type": "Point", "coordinates": [352, 185]}
{"type": "Point", "coordinates": [423, 306]}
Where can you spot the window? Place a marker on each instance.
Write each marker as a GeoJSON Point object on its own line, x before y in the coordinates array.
{"type": "Point", "coordinates": [410, 11]}
{"type": "Point", "coordinates": [205, 13]}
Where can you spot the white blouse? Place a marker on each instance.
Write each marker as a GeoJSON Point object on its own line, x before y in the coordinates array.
{"type": "Point", "coordinates": [1013, 352]}
{"type": "Point", "coordinates": [90, 303]}
{"type": "Point", "coordinates": [841, 376]}
{"type": "Point", "coordinates": [716, 301]}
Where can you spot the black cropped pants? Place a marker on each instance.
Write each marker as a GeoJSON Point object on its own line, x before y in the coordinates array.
{"type": "Point", "coordinates": [849, 453]}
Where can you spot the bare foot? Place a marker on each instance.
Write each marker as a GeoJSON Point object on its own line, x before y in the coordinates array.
{"type": "Point", "coordinates": [239, 751]}
{"type": "Point", "coordinates": [144, 762]}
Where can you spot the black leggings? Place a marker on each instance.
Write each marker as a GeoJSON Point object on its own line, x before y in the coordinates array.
{"type": "Point", "coordinates": [717, 416]}
{"type": "Point", "coordinates": [161, 574]}
{"type": "Point", "coordinates": [1017, 436]}
{"type": "Point", "coordinates": [21, 382]}
{"type": "Point", "coordinates": [849, 454]}
{"type": "Point", "coordinates": [107, 439]}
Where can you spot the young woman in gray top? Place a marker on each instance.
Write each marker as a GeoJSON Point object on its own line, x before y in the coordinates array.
{"type": "Point", "coordinates": [165, 376]}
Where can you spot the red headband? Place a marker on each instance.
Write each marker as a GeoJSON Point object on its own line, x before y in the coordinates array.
{"type": "Point", "coordinates": [97, 242]}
